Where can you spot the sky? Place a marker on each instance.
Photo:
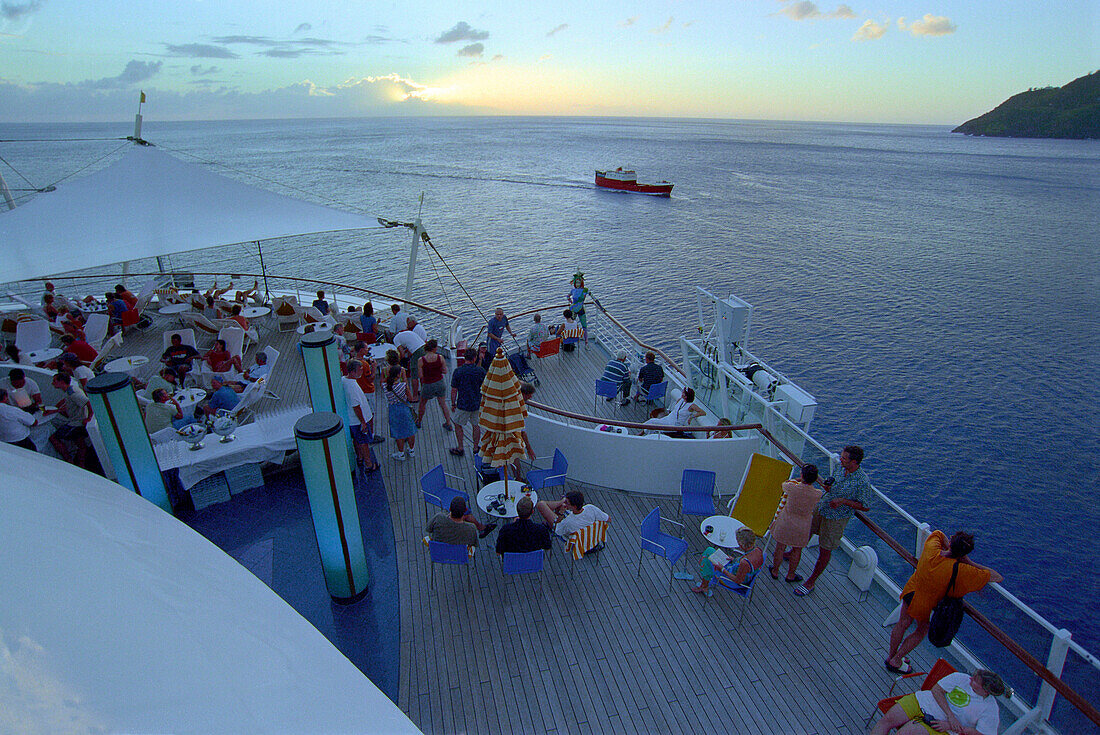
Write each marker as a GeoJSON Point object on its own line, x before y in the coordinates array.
{"type": "Point", "coordinates": [904, 61]}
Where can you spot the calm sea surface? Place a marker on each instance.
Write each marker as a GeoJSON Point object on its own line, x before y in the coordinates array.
{"type": "Point", "coordinates": [938, 294]}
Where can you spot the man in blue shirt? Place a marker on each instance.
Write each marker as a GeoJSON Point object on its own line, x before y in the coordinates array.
{"type": "Point", "coordinates": [320, 304]}
{"type": "Point", "coordinates": [618, 372]}
{"type": "Point", "coordinates": [223, 397]}
{"type": "Point", "coordinates": [497, 325]}
{"type": "Point", "coordinates": [842, 498]}
{"type": "Point", "coordinates": [466, 399]}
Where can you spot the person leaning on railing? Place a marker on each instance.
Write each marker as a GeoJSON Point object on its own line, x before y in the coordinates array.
{"type": "Point", "coordinates": [929, 584]}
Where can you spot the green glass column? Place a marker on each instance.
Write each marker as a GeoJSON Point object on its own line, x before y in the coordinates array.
{"type": "Point", "coordinates": [326, 392]}
{"type": "Point", "coordinates": [122, 427]}
{"type": "Point", "coordinates": [327, 470]}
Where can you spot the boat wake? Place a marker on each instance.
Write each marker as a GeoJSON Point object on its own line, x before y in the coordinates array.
{"type": "Point", "coordinates": [461, 177]}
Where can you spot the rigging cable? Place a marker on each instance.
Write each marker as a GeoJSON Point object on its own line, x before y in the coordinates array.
{"type": "Point", "coordinates": [53, 140]}
{"type": "Point", "coordinates": [19, 174]}
{"type": "Point", "coordinates": [74, 173]}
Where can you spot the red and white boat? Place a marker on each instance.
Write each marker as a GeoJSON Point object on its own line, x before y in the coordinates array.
{"type": "Point", "coordinates": [627, 180]}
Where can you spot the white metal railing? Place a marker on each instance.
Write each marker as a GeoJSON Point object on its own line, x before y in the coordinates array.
{"type": "Point", "coordinates": [733, 393]}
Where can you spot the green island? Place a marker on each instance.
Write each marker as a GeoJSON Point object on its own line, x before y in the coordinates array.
{"type": "Point", "coordinates": [1072, 111]}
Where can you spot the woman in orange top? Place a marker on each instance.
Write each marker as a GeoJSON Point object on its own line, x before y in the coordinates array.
{"type": "Point", "coordinates": [928, 586]}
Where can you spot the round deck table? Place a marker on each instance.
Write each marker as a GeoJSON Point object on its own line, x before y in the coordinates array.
{"type": "Point", "coordinates": [126, 364]}
{"type": "Point", "coordinates": [188, 397]}
{"type": "Point", "coordinates": [492, 491]}
{"type": "Point", "coordinates": [723, 532]}
{"type": "Point", "coordinates": [44, 355]}
{"type": "Point", "coordinates": [255, 312]}
{"type": "Point", "coordinates": [315, 327]}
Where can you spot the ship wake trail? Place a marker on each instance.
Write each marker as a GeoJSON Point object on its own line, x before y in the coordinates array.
{"type": "Point", "coordinates": [461, 177]}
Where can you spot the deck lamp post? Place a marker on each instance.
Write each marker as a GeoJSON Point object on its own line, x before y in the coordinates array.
{"type": "Point", "coordinates": [326, 467]}
{"type": "Point", "coordinates": [122, 428]}
{"type": "Point", "coordinates": [326, 391]}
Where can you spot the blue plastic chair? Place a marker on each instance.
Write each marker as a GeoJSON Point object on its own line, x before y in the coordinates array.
{"type": "Point", "coordinates": [697, 493]}
{"type": "Point", "coordinates": [605, 389]}
{"type": "Point", "coordinates": [542, 479]}
{"type": "Point", "coordinates": [657, 392]}
{"type": "Point", "coordinates": [662, 544]}
{"type": "Point", "coordinates": [486, 473]}
{"type": "Point", "coordinates": [433, 486]}
{"type": "Point", "coordinates": [720, 581]}
{"type": "Point", "coordinates": [442, 553]}
{"type": "Point", "coordinates": [525, 563]}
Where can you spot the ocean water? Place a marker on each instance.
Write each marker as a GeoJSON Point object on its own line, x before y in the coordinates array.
{"type": "Point", "coordinates": [938, 294]}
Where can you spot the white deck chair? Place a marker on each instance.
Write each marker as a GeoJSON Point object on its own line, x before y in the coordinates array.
{"type": "Point", "coordinates": [95, 329]}
{"type": "Point", "coordinates": [253, 392]}
{"type": "Point", "coordinates": [164, 436]}
{"type": "Point", "coordinates": [33, 335]}
{"type": "Point", "coordinates": [187, 336]}
{"type": "Point", "coordinates": [203, 327]}
{"type": "Point", "coordinates": [143, 398]}
{"type": "Point", "coordinates": [234, 342]}
{"type": "Point", "coordinates": [251, 336]}
{"type": "Point", "coordinates": [285, 313]}
{"type": "Point", "coordinates": [272, 360]}
{"type": "Point", "coordinates": [106, 349]}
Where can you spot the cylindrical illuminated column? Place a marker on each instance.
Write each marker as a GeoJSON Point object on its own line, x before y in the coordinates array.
{"type": "Point", "coordinates": [331, 490]}
{"type": "Point", "coordinates": [326, 392]}
{"type": "Point", "coordinates": [123, 430]}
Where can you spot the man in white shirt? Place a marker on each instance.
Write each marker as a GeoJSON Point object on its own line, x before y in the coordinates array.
{"type": "Point", "coordinates": [359, 414]}
{"type": "Point", "coordinates": [23, 392]}
{"type": "Point", "coordinates": [411, 348]}
{"type": "Point", "coordinates": [15, 424]}
{"type": "Point", "coordinates": [396, 322]}
{"type": "Point", "coordinates": [569, 514]}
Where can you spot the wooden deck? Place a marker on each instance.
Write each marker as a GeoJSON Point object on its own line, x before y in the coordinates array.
{"type": "Point", "coordinates": [606, 650]}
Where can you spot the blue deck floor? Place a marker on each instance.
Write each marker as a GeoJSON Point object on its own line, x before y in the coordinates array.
{"type": "Point", "coordinates": [269, 531]}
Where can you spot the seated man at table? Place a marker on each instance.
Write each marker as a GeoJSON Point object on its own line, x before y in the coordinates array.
{"type": "Point", "coordinates": [537, 334]}
{"type": "Point", "coordinates": [235, 315]}
{"type": "Point", "coordinates": [15, 425]}
{"type": "Point", "coordinates": [569, 514]}
{"type": "Point", "coordinates": [219, 359]}
{"type": "Point", "coordinates": [166, 379]}
{"type": "Point", "coordinates": [78, 371]}
{"type": "Point", "coordinates": [179, 357]}
{"type": "Point", "coordinates": [116, 307]}
{"type": "Point", "coordinates": [618, 372]}
{"type": "Point", "coordinates": [163, 412]}
{"type": "Point", "coordinates": [260, 370]}
{"type": "Point", "coordinates": [23, 392]}
{"type": "Point", "coordinates": [737, 572]}
{"type": "Point", "coordinates": [649, 375]}
{"type": "Point", "coordinates": [457, 527]}
{"type": "Point", "coordinates": [522, 535]}
{"type": "Point", "coordinates": [222, 397]}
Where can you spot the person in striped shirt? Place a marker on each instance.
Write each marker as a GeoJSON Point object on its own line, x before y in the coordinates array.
{"type": "Point", "coordinates": [618, 371]}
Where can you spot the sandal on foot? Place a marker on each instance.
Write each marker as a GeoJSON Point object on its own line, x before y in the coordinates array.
{"type": "Point", "coordinates": [795, 579]}
{"type": "Point", "coordinates": [775, 574]}
{"type": "Point", "coordinates": [447, 427]}
{"type": "Point", "coordinates": [802, 590]}
{"type": "Point", "coordinates": [905, 668]}
{"type": "Point", "coordinates": [456, 451]}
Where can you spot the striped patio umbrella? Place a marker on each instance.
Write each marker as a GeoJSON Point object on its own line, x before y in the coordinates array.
{"type": "Point", "coordinates": [502, 416]}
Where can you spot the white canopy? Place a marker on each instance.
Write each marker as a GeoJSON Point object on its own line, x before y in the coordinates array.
{"type": "Point", "coordinates": [119, 618]}
{"type": "Point", "coordinates": [149, 203]}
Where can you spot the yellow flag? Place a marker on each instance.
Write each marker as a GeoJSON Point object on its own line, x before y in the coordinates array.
{"type": "Point", "coordinates": [142, 96]}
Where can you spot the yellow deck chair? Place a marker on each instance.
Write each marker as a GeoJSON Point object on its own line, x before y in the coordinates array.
{"type": "Point", "coordinates": [761, 491]}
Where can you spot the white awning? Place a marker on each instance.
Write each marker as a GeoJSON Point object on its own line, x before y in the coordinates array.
{"type": "Point", "coordinates": [149, 203]}
{"type": "Point", "coordinates": [119, 618]}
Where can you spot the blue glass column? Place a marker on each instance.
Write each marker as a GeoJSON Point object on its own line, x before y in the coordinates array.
{"type": "Point", "coordinates": [326, 392]}
{"type": "Point", "coordinates": [327, 470]}
{"type": "Point", "coordinates": [122, 427]}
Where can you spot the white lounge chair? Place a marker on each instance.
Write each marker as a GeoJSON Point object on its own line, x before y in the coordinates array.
{"type": "Point", "coordinates": [95, 329]}
{"type": "Point", "coordinates": [33, 335]}
{"type": "Point", "coordinates": [234, 342]}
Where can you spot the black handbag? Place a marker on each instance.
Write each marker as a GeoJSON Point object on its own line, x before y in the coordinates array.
{"type": "Point", "coordinates": [947, 616]}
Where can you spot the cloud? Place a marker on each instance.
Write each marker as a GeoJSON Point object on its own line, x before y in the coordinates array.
{"type": "Point", "coordinates": [462, 32]}
{"type": "Point", "coordinates": [929, 25]}
{"type": "Point", "coordinates": [807, 10]}
{"type": "Point", "coordinates": [629, 22]}
{"type": "Point", "coordinates": [498, 57]}
{"type": "Point", "coordinates": [293, 48]}
{"type": "Point", "coordinates": [17, 11]}
{"type": "Point", "coordinates": [663, 28]}
{"type": "Point", "coordinates": [474, 50]}
{"type": "Point", "coordinates": [135, 72]}
{"type": "Point", "coordinates": [303, 27]}
{"type": "Point", "coordinates": [200, 51]}
{"type": "Point", "coordinates": [562, 27]}
{"type": "Point", "coordinates": [383, 95]}
{"type": "Point", "coordinates": [869, 31]}
{"type": "Point", "coordinates": [199, 70]}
